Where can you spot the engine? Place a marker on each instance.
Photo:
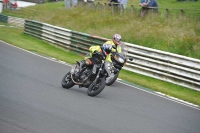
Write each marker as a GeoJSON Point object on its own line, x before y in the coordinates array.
{"type": "Point", "coordinates": [86, 77]}
{"type": "Point", "coordinates": [87, 83]}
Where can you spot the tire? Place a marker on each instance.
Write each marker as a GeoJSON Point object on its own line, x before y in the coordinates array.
{"type": "Point", "coordinates": [95, 88]}
{"type": "Point", "coordinates": [110, 80]}
{"type": "Point", "coordinates": [67, 81]}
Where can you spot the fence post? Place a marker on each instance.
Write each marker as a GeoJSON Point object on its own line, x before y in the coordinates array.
{"type": "Point", "coordinates": [104, 7]}
{"type": "Point", "coordinates": [167, 13]}
{"type": "Point", "coordinates": [112, 8]}
{"type": "Point", "coordinates": [121, 9]}
{"type": "Point", "coordinates": [98, 5]}
{"type": "Point", "coordinates": [181, 14]}
{"type": "Point", "coordinates": [132, 7]}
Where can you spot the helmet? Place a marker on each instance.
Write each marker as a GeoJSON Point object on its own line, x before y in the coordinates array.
{"type": "Point", "coordinates": [107, 48]}
{"type": "Point", "coordinates": [117, 39]}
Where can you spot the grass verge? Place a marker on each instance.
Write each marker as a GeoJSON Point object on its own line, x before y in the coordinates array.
{"type": "Point", "coordinates": [175, 34]}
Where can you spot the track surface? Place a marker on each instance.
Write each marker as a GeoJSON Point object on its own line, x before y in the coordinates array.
{"type": "Point", "coordinates": [33, 101]}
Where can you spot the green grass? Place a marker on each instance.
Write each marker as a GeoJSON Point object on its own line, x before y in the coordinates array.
{"type": "Point", "coordinates": [173, 34]}
{"type": "Point", "coordinates": [16, 37]}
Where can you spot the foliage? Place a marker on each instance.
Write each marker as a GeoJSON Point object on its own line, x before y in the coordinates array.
{"type": "Point", "coordinates": [173, 34]}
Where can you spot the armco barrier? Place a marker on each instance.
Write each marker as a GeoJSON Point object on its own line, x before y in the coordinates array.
{"type": "Point", "coordinates": [3, 18]}
{"type": "Point", "coordinates": [166, 66]}
{"type": "Point", "coordinates": [73, 40]}
{"type": "Point", "coordinates": [12, 20]}
{"type": "Point", "coordinates": [169, 67]}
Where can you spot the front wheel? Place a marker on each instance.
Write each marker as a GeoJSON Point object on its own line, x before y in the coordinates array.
{"type": "Point", "coordinates": [67, 81]}
{"type": "Point", "coordinates": [96, 87]}
{"type": "Point", "coordinates": [112, 78]}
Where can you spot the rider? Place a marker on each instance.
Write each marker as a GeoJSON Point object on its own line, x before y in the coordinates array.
{"type": "Point", "coordinates": [116, 40]}
{"type": "Point", "coordinates": [103, 50]}
{"type": "Point", "coordinates": [106, 48]}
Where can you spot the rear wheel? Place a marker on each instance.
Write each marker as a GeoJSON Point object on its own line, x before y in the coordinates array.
{"type": "Point", "coordinates": [96, 87]}
{"type": "Point", "coordinates": [67, 81]}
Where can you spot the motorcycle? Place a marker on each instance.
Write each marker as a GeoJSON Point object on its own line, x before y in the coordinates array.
{"type": "Point", "coordinates": [118, 61]}
{"type": "Point", "coordinates": [89, 76]}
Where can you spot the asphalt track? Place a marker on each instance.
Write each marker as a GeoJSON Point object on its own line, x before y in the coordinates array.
{"type": "Point", "coordinates": [33, 101]}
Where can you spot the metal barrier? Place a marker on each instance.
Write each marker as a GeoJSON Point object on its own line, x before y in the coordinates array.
{"type": "Point", "coordinates": [169, 67]}
{"type": "Point", "coordinates": [12, 20]}
{"type": "Point", "coordinates": [73, 40]}
{"type": "Point", "coordinates": [3, 18]}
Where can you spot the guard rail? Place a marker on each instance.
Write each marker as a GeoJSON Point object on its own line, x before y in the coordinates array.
{"type": "Point", "coordinates": [12, 20]}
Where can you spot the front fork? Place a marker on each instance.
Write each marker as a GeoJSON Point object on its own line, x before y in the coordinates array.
{"type": "Point", "coordinates": [99, 72]}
